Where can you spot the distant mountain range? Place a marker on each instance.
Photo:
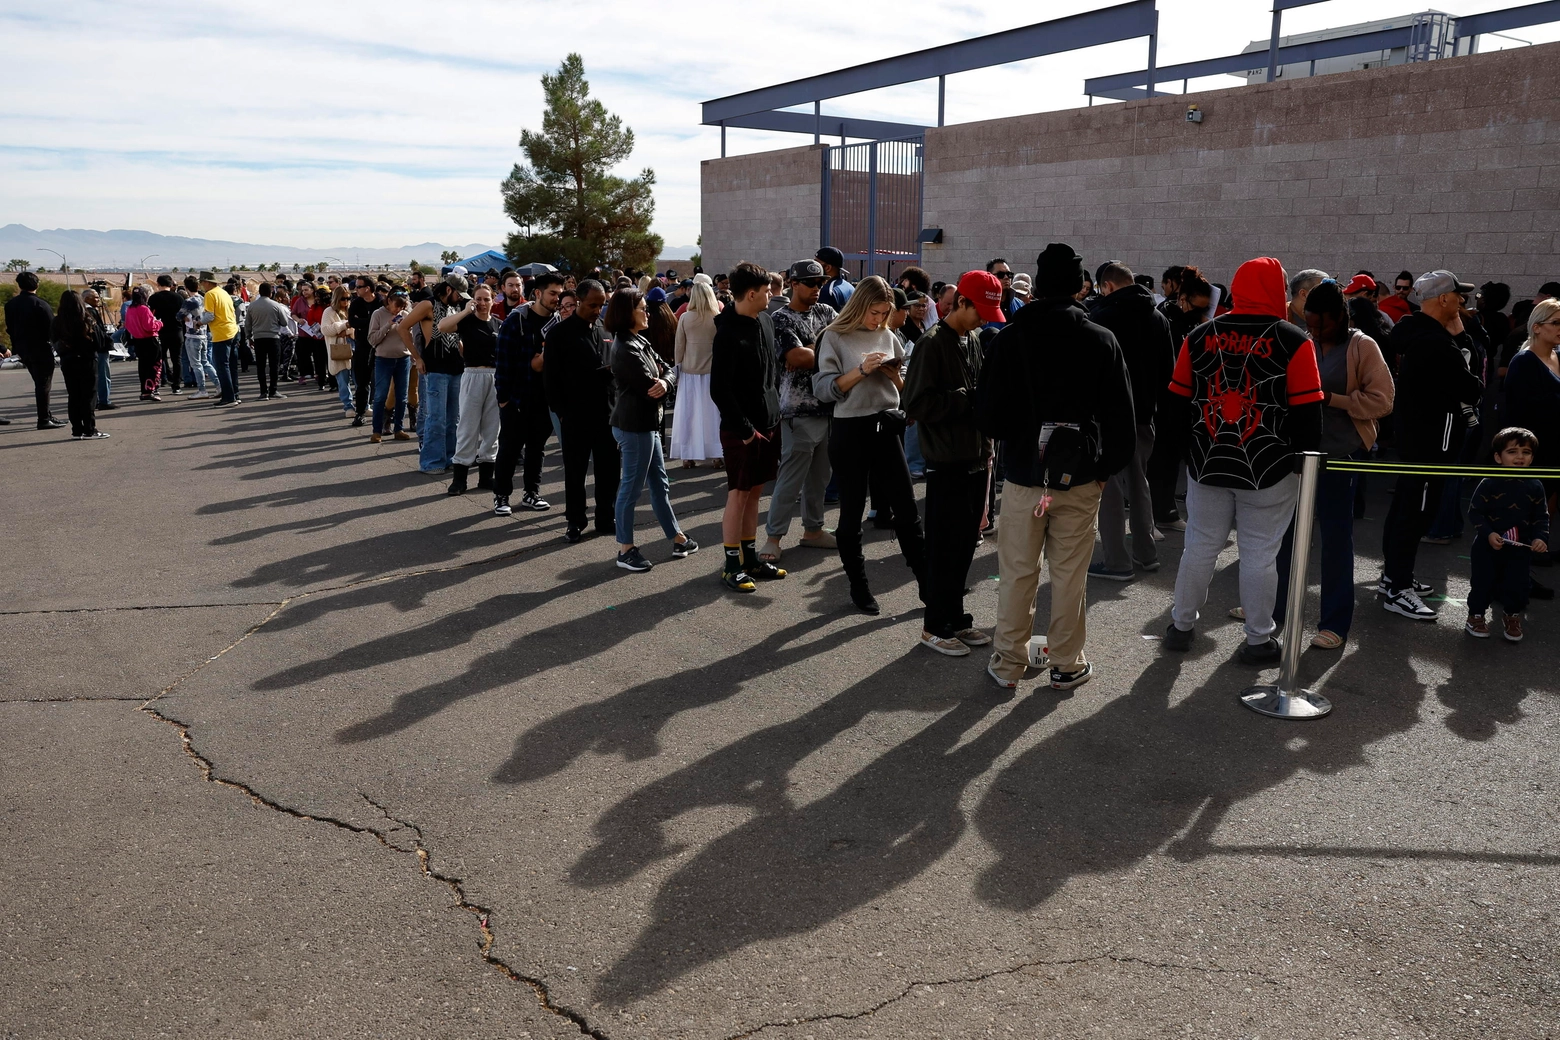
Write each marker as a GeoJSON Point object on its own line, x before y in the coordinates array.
{"type": "Point", "coordinates": [123, 250]}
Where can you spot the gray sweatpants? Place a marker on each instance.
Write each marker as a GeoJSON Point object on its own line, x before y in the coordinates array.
{"type": "Point", "coordinates": [1263, 517]}
{"type": "Point", "coordinates": [804, 471]}
{"type": "Point", "coordinates": [1130, 484]}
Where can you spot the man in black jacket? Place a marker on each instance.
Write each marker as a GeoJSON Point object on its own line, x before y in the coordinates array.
{"type": "Point", "coordinates": [577, 374]}
{"type": "Point", "coordinates": [27, 320]}
{"type": "Point", "coordinates": [1433, 386]}
{"type": "Point", "coordinates": [360, 312]}
{"type": "Point", "coordinates": [742, 384]}
{"type": "Point", "coordinates": [1053, 377]}
{"type": "Point", "coordinates": [1127, 309]}
{"type": "Point", "coordinates": [939, 395]}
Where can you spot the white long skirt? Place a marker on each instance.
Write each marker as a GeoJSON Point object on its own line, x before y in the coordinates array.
{"type": "Point", "coordinates": [695, 421]}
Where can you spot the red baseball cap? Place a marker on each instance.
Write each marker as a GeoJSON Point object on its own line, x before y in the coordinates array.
{"type": "Point", "coordinates": [984, 290]}
{"type": "Point", "coordinates": [1359, 283]}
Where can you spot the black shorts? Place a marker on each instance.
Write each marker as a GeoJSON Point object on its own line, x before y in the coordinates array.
{"type": "Point", "coordinates": [754, 464]}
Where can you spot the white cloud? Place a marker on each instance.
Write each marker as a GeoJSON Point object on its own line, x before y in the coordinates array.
{"type": "Point", "coordinates": [393, 122]}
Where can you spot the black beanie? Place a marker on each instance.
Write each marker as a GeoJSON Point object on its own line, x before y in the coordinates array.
{"type": "Point", "coordinates": [1058, 271]}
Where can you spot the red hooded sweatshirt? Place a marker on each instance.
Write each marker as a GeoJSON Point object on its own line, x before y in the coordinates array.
{"type": "Point", "coordinates": [1253, 385]}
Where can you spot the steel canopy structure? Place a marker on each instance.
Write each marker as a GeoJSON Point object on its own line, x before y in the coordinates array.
{"type": "Point", "coordinates": [761, 109]}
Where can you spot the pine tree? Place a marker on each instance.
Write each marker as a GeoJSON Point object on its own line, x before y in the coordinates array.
{"type": "Point", "coordinates": [567, 204]}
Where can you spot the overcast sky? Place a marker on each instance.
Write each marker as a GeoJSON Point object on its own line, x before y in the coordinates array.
{"type": "Point", "coordinates": [393, 122]}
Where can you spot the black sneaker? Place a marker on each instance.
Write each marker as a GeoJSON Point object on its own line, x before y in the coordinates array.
{"type": "Point", "coordinates": [763, 570]}
{"type": "Point", "coordinates": [50, 423]}
{"type": "Point", "coordinates": [634, 560]}
{"type": "Point", "coordinates": [685, 548]}
{"type": "Point", "coordinates": [1061, 680]}
{"type": "Point", "coordinates": [501, 505]}
{"type": "Point", "coordinates": [574, 536]}
{"type": "Point", "coordinates": [1408, 604]}
{"type": "Point", "coordinates": [865, 602]}
{"type": "Point", "coordinates": [1177, 640]}
{"type": "Point", "coordinates": [534, 502]}
{"type": "Point", "coordinates": [1266, 653]}
{"type": "Point", "coordinates": [1420, 588]}
{"type": "Point", "coordinates": [357, 420]}
{"type": "Point", "coordinates": [738, 581]}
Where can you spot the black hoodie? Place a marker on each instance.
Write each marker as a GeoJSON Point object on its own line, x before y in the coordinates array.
{"type": "Point", "coordinates": [1146, 343]}
{"type": "Point", "coordinates": [1433, 384]}
{"type": "Point", "coordinates": [742, 373]}
{"type": "Point", "coordinates": [1051, 364]}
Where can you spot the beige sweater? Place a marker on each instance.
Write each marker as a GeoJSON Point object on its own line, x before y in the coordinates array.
{"type": "Point", "coordinates": [694, 350]}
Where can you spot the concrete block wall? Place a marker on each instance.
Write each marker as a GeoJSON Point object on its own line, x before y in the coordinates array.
{"type": "Point", "coordinates": [764, 207]}
{"type": "Point", "coordinates": [1452, 163]}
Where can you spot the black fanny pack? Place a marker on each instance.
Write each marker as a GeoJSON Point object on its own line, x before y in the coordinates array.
{"type": "Point", "coordinates": [1066, 453]}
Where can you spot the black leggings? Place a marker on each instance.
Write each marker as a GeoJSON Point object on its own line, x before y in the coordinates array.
{"type": "Point", "coordinates": [868, 456]}
{"type": "Point", "coordinates": [80, 371]}
{"type": "Point", "coordinates": [268, 358]}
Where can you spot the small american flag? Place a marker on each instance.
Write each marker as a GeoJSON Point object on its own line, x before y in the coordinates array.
{"type": "Point", "coordinates": [1511, 537]}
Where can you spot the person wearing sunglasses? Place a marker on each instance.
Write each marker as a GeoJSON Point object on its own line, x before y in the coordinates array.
{"type": "Point", "coordinates": [1398, 306]}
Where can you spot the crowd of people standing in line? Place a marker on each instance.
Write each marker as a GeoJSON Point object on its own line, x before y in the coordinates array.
{"type": "Point", "coordinates": [1047, 408]}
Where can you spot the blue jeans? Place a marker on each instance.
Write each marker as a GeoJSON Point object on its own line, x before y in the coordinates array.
{"type": "Point", "coordinates": [913, 457]}
{"type": "Point", "coordinates": [438, 412]}
{"type": "Point", "coordinates": [1335, 525]}
{"type": "Point", "coordinates": [344, 388]}
{"type": "Point", "coordinates": [642, 464]}
{"type": "Point", "coordinates": [197, 351]}
{"type": "Point", "coordinates": [388, 370]}
{"type": "Point", "coordinates": [224, 356]}
{"type": "Point", "coordinates": [105, 382]}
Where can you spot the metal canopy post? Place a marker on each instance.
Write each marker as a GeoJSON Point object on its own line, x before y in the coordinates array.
{"type": "Point", "coordinates": [1153, 54]}
{"type": "Point", "coordinates": [723, 139]}
{"type": "Point", "coordinates": [942, 97]}
{"type": "Point", "coordinates": [1278, 18]}
{"type": "Point", "coordinates": [1286, 700]}
{"type": "Point", "coordinates": [817, 122]}
{"type": "Point", "coordinates": [872, 198]}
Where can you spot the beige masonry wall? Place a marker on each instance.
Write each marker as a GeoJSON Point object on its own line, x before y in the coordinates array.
{"type": "Point", "coordinates": [764, 207]}
{"type": "Point", "coordinates": [1452, 163]}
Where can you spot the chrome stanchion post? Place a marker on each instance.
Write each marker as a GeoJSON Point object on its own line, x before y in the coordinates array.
{"type": "Point", "coordinates": [1285, 700]}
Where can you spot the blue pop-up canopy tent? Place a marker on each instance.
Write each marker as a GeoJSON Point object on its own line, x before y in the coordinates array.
{"type": "Point", "coordinates": [482, 263]}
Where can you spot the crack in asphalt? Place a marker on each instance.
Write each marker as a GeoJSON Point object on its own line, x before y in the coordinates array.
{"type": "Point", "coordinates": [143, 606]}
{"type": "Point", "coordinates": [419, 849]}
{"type": "Point", "coordinates": [847, 1016]}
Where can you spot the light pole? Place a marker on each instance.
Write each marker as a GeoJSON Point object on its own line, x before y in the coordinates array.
{"type": "Point", "coordinates": [145, 258]}
{"type": "Point", "coordinates": [64, 263]}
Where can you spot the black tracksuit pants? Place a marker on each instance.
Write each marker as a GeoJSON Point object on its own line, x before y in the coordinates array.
{"type": "Point", "coordinates": [1415, 502]}
{"type": "Point", "coordinates": [869, 458]}
{"type": "Point", "coordinates": [955, 500]}
{"type": "Point", "coordinates": [584, 439]}
{"type": "Point", "coordinates": [80, 372]}
{"type": "Point", "coordinates": [40, 365]}
{"type": "Point", "coordinates": [268, 360]}
{"type": "Point", "coordinates": [523, 429]}
{"type": "Point", "coordinates": [363, 375]}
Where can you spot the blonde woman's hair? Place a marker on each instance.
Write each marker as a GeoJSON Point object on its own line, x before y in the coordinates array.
{"type": "Point", "coordinates": [870, 292]}
{"type": "Point", "coordinates": [341, 296]}
{"type": "Point", "coordinates": [1543, 310]}
{"type": "Point", "coordinates": [701, 300]}
{"type": "Point", "coordinates": [644, 284]}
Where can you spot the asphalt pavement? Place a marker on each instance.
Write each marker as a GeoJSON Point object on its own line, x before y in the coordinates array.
{"type": "Point", "coordinates": [295, 745]}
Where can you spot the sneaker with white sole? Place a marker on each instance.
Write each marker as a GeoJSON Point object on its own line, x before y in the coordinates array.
{"type": "Point", "coordinates": [634, 560]}
{"type": "Point", "coordinates": [1099, 570]}
{"type": "Point", "coordinates": [972, 637]}
{"type": "Point", "coordinates": [1006, 684]}
{"type": "Point", "coordinates": [1477, 626]}
{"type": "Point", "coordinates": [199, 395]}
{"type": "Point", "coordinates": [1420, 588]}
{"type": "Point", "coordinates": [949, 647]}
{"type": "Point", "coordinates": [1061, 680]}
{"type": "Point", "coordinates": [534, 502]}
{"type": "Point", "coordinates": [1409, 605]}
{"type": "Point", "coordinates": [501, 505]}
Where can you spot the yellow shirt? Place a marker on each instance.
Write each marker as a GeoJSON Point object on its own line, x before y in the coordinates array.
{"type": "Point", "coordinates": [225, 327]}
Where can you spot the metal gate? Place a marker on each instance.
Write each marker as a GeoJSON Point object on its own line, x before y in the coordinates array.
{"type": "Point", "coordinates": [872, 203]}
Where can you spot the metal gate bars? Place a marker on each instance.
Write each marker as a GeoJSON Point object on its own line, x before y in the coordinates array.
{"type": "Point", "coordinates": [872, 203]}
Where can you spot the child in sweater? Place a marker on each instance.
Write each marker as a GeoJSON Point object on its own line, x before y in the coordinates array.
{"type": "Point", "coordinates": [1511, 521]}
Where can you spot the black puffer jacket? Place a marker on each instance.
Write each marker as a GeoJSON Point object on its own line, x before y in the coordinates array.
{"type": "Point", "coordinates": [1144, 335]}
{"type": "Point", "coordinates": [1051, 364]}
{"type": "Point", "coordinates": [1433, 385]}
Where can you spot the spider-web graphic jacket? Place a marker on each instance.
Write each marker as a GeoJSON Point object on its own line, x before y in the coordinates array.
{"type": "Point", "coordinates": [1251, 380]}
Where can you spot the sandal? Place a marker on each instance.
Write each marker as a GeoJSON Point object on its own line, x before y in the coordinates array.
{"type": "Point", "coordinates": [771, 552]}
{"type": "Point", "coordinates": [1325, 640]}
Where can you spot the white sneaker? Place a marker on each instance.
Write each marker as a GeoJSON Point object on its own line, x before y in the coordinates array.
{"type": "Point", "coordinates": [199, 395]}
{"type": "Point", "coordinates": [1408, 604]}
